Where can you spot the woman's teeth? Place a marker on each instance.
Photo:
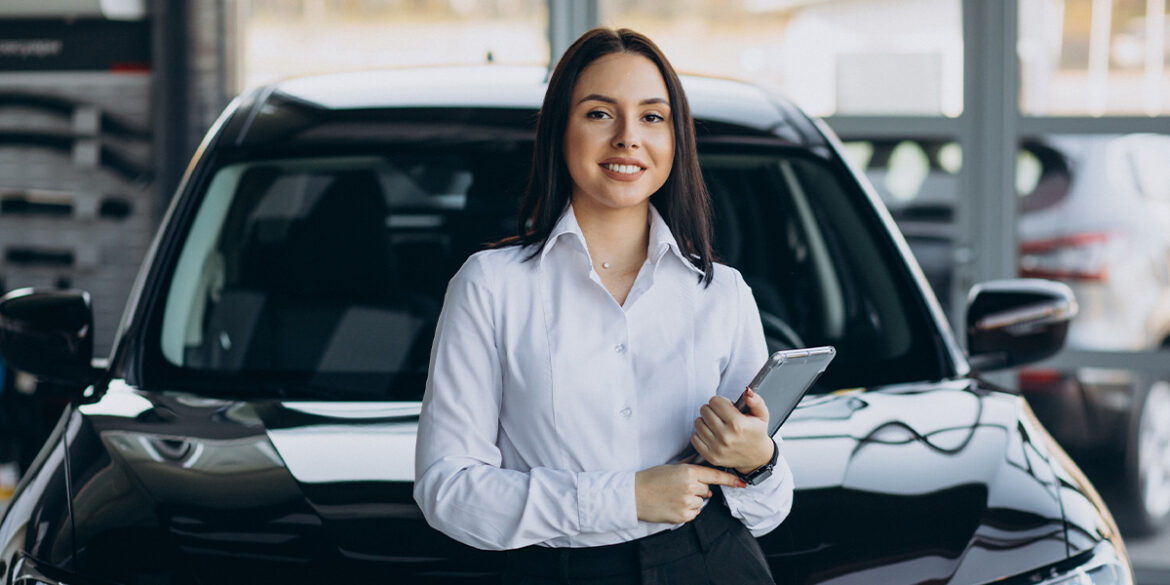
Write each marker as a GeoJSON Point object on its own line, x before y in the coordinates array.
{"type": "Point", "coordinates": [624, 169]}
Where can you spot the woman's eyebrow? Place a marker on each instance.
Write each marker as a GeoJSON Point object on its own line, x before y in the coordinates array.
{"type": "Point", "coordinates": [604, 98]}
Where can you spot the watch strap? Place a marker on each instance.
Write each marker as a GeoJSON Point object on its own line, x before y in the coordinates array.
{"type": "Point", "coordinates": [759, 474]}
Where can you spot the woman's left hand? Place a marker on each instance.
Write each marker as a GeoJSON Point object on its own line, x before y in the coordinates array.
{"type": "Point", "coordinates": [726, 437]}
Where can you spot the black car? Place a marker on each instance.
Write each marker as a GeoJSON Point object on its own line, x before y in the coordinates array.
{"type": "Point", "coordinates": [255, 421]}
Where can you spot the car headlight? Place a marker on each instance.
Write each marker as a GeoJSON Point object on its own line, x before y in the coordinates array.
{"type": "Point", "coordinates": [26, 571]}
{"type": "Point", "coordinates": [1101, 566]}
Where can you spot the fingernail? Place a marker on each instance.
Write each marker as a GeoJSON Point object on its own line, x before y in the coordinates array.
{"type": "Point", "coordinates": [741, 483]}
{"type": "Point", "coordinates": [751, 392]}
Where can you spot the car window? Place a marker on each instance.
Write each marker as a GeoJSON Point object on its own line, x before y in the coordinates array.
{"type": "Point", "coordinates": [327, 274]}
{"type": "Point", "coordinates": [821, 268]}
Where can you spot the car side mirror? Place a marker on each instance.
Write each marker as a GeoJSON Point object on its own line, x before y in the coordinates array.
{"type": "Point", "coordinates": [49, 334]}
{"type": "Point", "coordinates": [1017, 321]}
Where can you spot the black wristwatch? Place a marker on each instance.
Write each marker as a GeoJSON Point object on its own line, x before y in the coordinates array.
{"type": "Point", "coordinates": [759, 474]}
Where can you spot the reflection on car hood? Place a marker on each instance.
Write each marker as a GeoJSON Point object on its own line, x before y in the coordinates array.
{"type": "Point", "coordinates": [935, 481]}
{"type": "Point", "coordinates": [942, 482]}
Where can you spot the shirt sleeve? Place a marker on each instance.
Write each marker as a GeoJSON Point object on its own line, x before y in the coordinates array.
{"type": "Point", "coordinates": [764, 506]}
{"type": "Point", "coordinates": [459, 484]}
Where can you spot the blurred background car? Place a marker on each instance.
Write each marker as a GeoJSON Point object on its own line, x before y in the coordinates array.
{"type": "Point", "coordinates": [1098, 219]}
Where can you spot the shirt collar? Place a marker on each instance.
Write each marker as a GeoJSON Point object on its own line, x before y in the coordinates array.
{"type": "Point", "coordinates": [566, 226]}
{"type": "Point", "coordinates": [661, 239]}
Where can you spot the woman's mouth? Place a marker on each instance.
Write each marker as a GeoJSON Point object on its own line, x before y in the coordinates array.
{"type": "Point", "coordinates": [623, 169]}
{"type": "Point", "coordinates": [623, 172]}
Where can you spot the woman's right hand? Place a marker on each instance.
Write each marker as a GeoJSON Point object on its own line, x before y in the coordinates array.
{"type": "Point", "coordinates": [675, 493]}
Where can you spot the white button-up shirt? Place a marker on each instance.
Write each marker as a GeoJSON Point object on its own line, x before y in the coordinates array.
{"type": "Point", "coordinates": [545, 396]}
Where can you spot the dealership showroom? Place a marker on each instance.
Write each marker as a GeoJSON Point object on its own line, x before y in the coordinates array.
{"type": "Point", "coordinates": [260, 258]}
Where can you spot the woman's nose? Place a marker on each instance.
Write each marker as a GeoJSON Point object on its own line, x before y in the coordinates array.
{"type": "Point", "coordinates": [626, 135]}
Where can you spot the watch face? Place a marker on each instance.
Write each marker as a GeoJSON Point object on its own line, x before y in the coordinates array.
{"type": "Point", "coordinates": [760, 475]}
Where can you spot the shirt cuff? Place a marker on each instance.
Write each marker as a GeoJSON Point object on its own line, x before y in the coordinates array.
{"type": "Point", "coordinates": [766, 496]}
{"type": "Point", "coordinates": [606, 501]}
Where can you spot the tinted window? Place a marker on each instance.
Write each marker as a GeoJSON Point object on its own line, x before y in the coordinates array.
{"type": "Point", "coordinates": [326, 275]}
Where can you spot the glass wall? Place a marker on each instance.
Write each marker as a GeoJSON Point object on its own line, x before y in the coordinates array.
{"type": "Point", "coordinates": [901, 57]}
{"type": "Point", "coordinates": [283, 38]}
{"type": "Point", "coordinates": [1094, 57]}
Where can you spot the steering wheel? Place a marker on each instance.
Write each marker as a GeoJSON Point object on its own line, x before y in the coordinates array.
{"type": "Point", "coordinates": [779, 334]}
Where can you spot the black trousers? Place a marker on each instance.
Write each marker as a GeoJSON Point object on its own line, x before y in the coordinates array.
{"type": "Point", "coordinates": [715, 548]}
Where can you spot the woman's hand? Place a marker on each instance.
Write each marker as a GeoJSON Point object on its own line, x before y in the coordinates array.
{"type": "Point", "coordinates": [675, 493]}
{"type": "Point", "coordinates": [726, 437]}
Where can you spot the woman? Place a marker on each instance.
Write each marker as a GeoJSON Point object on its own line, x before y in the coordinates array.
{"type": "Point", "coordinates": [574, 362]}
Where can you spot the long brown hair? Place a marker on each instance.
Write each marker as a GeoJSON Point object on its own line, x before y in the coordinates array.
{"type": "Point", "coordinates": [683, 200]}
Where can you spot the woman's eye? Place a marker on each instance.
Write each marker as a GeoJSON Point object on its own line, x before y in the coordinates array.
{"type": "Point", "coordinates": [597, 115]}
{"type": "Point", "coordinates": [653, 118]}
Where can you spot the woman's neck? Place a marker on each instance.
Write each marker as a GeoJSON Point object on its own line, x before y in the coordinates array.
{"type": "Point", "coordinates": [617, 238]}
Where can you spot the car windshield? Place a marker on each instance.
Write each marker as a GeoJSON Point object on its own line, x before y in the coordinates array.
{"type": "Point", "coordinates": [325, 275]}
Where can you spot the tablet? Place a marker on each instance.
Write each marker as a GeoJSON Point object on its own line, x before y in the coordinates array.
{"type": "Point", "coordinates": [781, 382]}
{"type": "Point", "coordinates": [785, 378]}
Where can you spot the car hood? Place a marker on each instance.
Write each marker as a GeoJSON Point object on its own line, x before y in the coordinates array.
{"type": "Point", "coordinates": [940, 483]}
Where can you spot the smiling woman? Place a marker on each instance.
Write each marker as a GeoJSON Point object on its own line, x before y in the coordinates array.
{"type": "Point", "coordinates": [604, 313]}
{"type": "Point", "coordinates": [619, 147]}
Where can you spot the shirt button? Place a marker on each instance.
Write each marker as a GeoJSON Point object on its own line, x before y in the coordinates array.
{"type": "Point", "coordinates": [620, 348]}
{"type": "Point", "coordinates": [626, 412]}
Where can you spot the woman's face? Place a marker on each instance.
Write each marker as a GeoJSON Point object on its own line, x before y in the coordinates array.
{"type": "Point", "coordinates": [619, 143]}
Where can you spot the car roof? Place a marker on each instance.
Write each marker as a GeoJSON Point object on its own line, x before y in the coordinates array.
{"type": "Point", "coordinates": [724, 103]}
